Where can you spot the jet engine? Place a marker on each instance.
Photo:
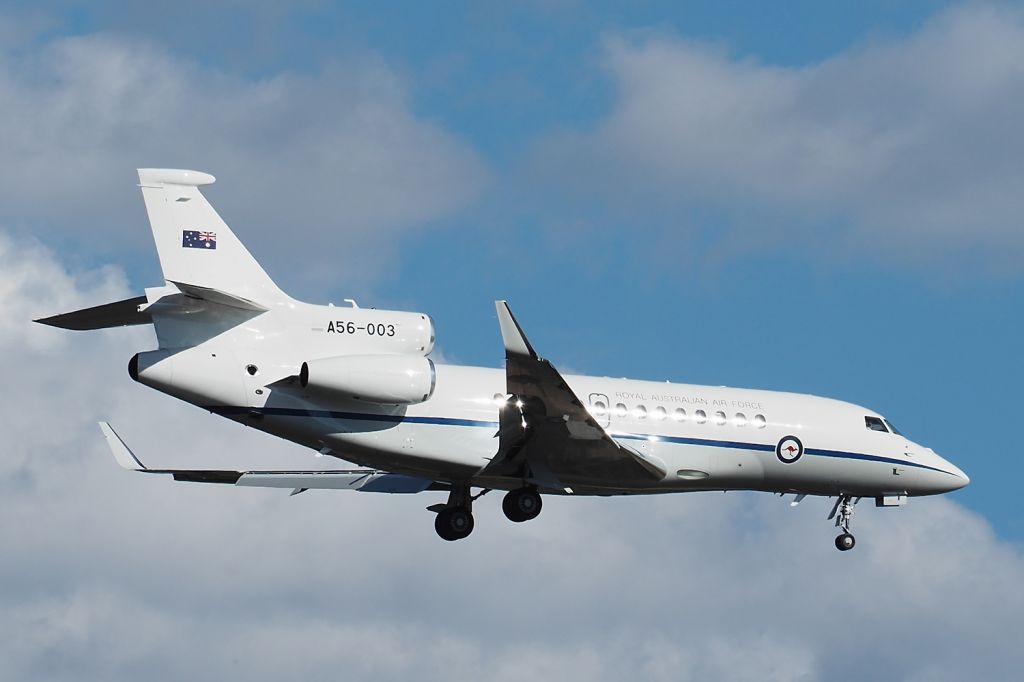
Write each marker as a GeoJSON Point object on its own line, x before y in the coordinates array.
{"type": "Point", "coordinates": [385, 379]}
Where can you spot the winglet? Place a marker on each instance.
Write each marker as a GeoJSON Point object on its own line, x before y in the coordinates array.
{"type": "Point", "coordinates": [124, 456]}
{"type": "Point", "coordinates": [511, 333]}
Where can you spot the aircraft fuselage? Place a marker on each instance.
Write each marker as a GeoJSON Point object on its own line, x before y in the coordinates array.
{"type": "Point", "coordinates": [707, 437]}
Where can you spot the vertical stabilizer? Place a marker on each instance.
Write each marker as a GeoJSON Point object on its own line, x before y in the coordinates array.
{"type": "Point", "coordinates": [195, 246]}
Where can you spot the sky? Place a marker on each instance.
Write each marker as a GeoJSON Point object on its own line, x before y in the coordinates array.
{"type": "Point", "coordinates": [821, 198]}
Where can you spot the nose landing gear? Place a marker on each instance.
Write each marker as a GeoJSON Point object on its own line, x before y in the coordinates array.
{"type": "Point", "coordinates": [845, 542]}
{"type": "Point", "coordinates": [843, 514]}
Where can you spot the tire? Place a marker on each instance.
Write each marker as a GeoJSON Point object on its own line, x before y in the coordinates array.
{"type": "Point", "coordinates": [521, 505]}
{"type": "Point", "coordinates": [845, 542]}
{"type": "Point", "coordinates": [454, 523]}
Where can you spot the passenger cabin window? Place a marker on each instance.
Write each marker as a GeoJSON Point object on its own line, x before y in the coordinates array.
{"type": "Point", "coordinates": [600, 408]}
{"type": "Point", "coordinates": [875, 424]}
{"type": "Point", "coordinates": [720, 418]}
{"type": "Point", "coordinates": [740, 419]}
{"type": "Point", "coordinates": [759, 421]}
{"type": "Point", "coordinates": [679, 415]}
{"type": "Point", "coordinates": [620, 410]}
{"type": "Point", "coordinates": [640, 412]}
{"type": "Point", "coordinates": [659, 414]}
{"type": "Point", "coordinates": [700, 416]}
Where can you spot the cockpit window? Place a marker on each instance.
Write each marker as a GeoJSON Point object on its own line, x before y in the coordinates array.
{"type": "Point", "coordinates": [875, 424]}
{"type": "Point", "coordinates": [892, 428]}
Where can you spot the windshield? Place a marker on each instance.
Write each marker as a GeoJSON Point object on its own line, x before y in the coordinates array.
{"type": "Point", "coordinates": [875, 424]}
{"type": "Point", "coordinates": [892, 428]}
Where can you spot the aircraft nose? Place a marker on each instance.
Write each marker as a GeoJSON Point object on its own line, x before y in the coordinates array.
{"type": "Point", "coordinates": [962, 478]}
{"type": "Point", "coordinates": [956, 478]}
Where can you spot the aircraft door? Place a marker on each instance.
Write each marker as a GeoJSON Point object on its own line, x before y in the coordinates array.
{"type": "Point", "coordinates": [601, 409]}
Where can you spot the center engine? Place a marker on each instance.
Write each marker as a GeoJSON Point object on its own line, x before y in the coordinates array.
{"type": "Point", "coordinates": [383, 379]}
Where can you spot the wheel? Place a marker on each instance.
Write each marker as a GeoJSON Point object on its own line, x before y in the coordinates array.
{"type": "Point", "coordinates": [845, 542]}
{"type": "Point", "coordinates": [521, 505]}
{"type": "Point", "coordinates": [454, 523]}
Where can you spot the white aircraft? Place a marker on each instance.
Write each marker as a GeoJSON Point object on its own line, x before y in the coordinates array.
{"type": "Point", "coordinates": [357, 384]}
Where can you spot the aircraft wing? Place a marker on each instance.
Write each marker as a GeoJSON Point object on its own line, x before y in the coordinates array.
{"type": "Point", "coordinates": [546, 435]}
{"type": "Point", "coordinates": [363, 480]}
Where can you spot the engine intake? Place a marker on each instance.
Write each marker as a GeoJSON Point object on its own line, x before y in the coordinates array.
{"type": "Point", "coordinates": [384, 379]}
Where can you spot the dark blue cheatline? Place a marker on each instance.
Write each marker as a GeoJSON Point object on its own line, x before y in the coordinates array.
{"type": "Point", "coordinates": [479, 423]}
{"type": "Point", "coordinates": [351, 416]}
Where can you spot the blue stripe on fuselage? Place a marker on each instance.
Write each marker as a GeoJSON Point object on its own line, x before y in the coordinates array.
{"type": "Point", "coordinates": [352, 416]}
{"type": "Point", "coordinates": [450, 421]}
{"type": "Point", "coordinates": [762, 447]}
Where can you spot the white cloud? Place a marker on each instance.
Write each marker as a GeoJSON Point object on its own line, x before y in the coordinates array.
{"type": "Point", "coordinates": [905, 148]}
{"type": "Point", "coordinates": [312, 169]}
{"type": "Point", "coordinates": [111, 575]}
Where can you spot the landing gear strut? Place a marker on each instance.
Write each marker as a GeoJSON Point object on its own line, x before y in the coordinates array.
{"type": "Point", "coordinates": [843, 513]}
{"type": "Point", "coordinates": [521, 505]}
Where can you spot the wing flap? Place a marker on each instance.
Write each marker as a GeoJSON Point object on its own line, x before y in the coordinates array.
{"type": "Point", "coordinates": [364, 480]}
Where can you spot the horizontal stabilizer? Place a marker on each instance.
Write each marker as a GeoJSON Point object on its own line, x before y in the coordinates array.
{"type": "Point", "coordinates": [221, 297]}
{"type": "Point", "coordinates": [364, 480]}
{"type": "Point", "coordinates": [118, 314]}
{"type": "Point", "coordinates": [174, 176]}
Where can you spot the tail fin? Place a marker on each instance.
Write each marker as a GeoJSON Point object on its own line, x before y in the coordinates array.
{"type": "Point", "coordinates": [196, 247]}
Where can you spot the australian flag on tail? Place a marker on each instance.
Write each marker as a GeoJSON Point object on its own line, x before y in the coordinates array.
{"type": "Point", "coordinates": [194, 239]}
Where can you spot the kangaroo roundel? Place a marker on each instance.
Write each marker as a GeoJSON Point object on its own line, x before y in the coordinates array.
{"type": "Point", "coordinates": [789, 449]}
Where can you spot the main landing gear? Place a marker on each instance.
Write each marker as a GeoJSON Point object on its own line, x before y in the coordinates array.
{"type": "Point", "coordinates": [521, 505]}
{"type": "Point", "coordinates": [454, 523]}
{"type": "Point", "coordinates": [843, 513]}
{"type": "Point", "coordinates": [454, 520]}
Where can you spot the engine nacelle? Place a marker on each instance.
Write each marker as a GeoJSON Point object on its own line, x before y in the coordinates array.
{"type": "Point", "coordinates": [385, 379]}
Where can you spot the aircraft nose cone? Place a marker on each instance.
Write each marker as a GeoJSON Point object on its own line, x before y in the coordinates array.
{"type": "Point", "coordinates": [963, 479]}
{"type": "Point", "coordinates": [945, 476]}
{"type": "Point", "coordinates": [955, 477]}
